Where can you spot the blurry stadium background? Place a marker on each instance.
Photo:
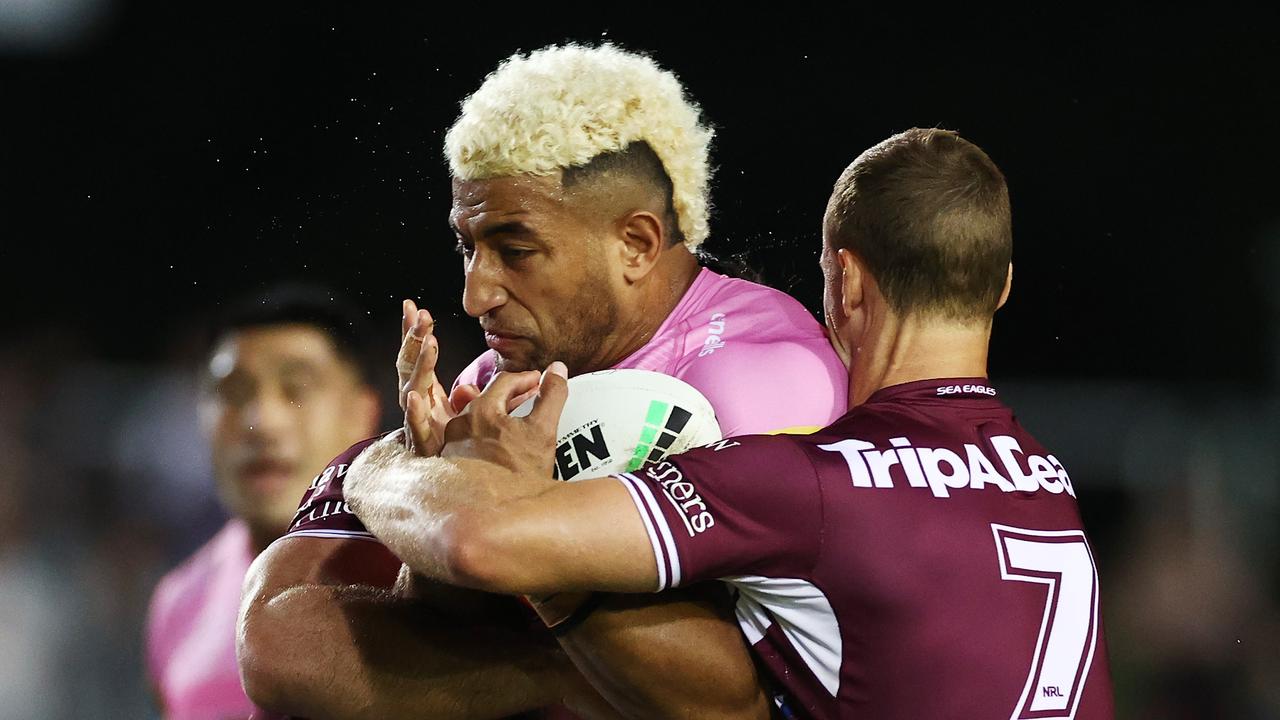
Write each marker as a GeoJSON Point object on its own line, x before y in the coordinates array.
{"type": "Point", "coordinates": [159, 159]}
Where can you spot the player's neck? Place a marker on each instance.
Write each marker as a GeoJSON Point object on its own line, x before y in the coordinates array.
{"type": "Point", "coordinates": [904, 350]}
{"type": "Point", "coordinates": [666, 288]}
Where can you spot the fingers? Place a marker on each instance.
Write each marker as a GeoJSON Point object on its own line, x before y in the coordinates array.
{"type": "Point", "coordinates": [417, 420]}
{"type": "Point", "coordinates": [520, 399]}
{"type": "Point", "coordinates": [504, 388]}
{"type": "Point", "coordinates": [411, 345]}
{"type": "Point", "coordinates": [462, 396]}
{"type": "Point", "coordinates": [411, 338]}
{"type": "Point", "coordinates": [553, 392]}
{"type": "Point", "coordinates": [421, 373]}
{"type": "Point", "coordinates": [408, 309]}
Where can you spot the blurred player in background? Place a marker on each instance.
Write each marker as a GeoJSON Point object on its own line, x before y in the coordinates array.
{"type": "Point", "coordinates": [286, 386]}
{"type": "Point", "coordinates": [580, 198]}
{"type": "Point", "coordinates": [922, 557]}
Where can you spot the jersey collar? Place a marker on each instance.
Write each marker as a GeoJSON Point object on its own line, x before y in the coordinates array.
{"type": "Point", "coordinates": [968, 388]}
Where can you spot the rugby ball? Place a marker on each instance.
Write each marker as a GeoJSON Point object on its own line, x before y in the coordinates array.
{"type": "Point", "coordinates": [617, 420]}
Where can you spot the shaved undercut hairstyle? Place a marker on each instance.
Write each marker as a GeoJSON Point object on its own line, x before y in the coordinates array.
{"type": "Point", "coordinates": [638, 163]}
{"type": "Point", "coordinates": [928, 212]}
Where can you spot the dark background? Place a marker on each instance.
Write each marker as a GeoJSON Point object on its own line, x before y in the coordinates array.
{"type": "Point", "coordinates": [159, 160]}
{"type": "Point", "coordinates": [182, 153]}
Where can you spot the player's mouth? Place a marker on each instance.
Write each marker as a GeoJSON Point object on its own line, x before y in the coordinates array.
{"type": "Point", "coordinates": [268, 474]}
{"type": "Point", "coordinates": [503, 343]}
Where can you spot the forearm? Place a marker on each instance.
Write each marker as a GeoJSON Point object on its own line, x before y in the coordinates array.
{"type": "Point", "coordinates": [418, 507]}
{"type": "Point", "coordinates": [338, 652]}
{"type": "Point", "coordinates": [675, 655]}
{"type": "Point", "coordinates": [310, 644]}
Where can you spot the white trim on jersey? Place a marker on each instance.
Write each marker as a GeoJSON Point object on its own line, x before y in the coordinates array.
{"type": "Point", "coordinates": [345, 534]}
{"type": "Point", "coordinates": [648, 528]}
{"type": "Point", "coordinates": [664, 552]}
{"type": "Point", "coordinates": [804, 615]}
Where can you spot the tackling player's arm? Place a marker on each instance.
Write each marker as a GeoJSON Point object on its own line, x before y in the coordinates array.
{"type": "Point", "coordinates": [637, 643]}
{"type": "Point", "coordinates": [310, 644]}
{"type": "Point", "coordinates": [482, 525]}
{"type": "Point", "coordinates": [322, 634]}
{"type": "Point", "coordinates": [678, 656]}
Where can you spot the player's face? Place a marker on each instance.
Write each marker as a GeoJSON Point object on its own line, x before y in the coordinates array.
{"type": "Point", "coordinates": [538, 276]}
{"type": "Point", "coordinates": [281, 404]}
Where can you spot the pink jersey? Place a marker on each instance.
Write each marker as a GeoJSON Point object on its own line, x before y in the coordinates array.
{"type": "Point", "coordinates": [191, 631]}
{"type": "Point", "coordinates": [922, 557]}
{"type": "Point", "coordinates": [755, 353]}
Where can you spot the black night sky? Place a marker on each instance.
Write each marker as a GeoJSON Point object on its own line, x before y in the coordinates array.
{"type": "Point", "coordinates": [184, 153]}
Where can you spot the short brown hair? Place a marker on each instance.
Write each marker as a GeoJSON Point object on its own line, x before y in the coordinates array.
{"type": "Point", "coordinates": [928, 212]}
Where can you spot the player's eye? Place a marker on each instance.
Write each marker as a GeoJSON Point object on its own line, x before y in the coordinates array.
{"type": "Point", "coordinates": [514, 252]}
{"type": "Point", "coordinates": [296, 391]}
{"type": "Point", "coordinates": [464, 248]}
{"type": "Point", "coordinates": [234, 391]}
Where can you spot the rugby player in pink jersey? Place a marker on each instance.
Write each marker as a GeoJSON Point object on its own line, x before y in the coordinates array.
{"type": "Point", "coordinates": [285, 388]}
{"type": "Point", "coordinates": [920, 557]}
{"type": "Point", "coordinates": [579, 201]}
{"type": "Point", "coordinates": [724, 335]}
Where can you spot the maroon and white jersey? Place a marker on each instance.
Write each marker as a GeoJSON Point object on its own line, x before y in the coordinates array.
{"type": "Point", "coordinates": [324, 511]}
{"type": "Point", "coordinates": [921, 557]}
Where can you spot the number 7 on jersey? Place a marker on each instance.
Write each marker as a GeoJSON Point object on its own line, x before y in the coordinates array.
{"type": "Point", "coordinates": [1062, 560]}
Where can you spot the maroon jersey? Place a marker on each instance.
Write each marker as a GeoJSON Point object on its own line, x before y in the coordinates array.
{"type": "Point", "coordinates": [324, 511]}
{"type": "Point", "coordinates": [921, 557]}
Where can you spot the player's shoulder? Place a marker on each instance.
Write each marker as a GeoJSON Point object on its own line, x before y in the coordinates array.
{"type": "Point", "coordinates": [761, 359]}
{"type": "Point", "coordinates": [879, 422]}
{"type": "Point", "coordinates": [939, 410]}
{"type": "Point", "coordinates": [735, 320]}
{"type": "Point", "coordinates": [756, 475]}
{"type": "Point", "coordinates": [329, 480]}
{"type": "Point", "coordinates": [754, 311]}
{"type": "Point", "coordinates": [757, 453]}
{"type": "Point", "coordinates": [767, 388]}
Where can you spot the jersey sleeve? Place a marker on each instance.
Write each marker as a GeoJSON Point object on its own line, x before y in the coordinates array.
{"type": "Point", "coordinates": [746, 506]}
{"type": "Point", "coordinates": [789, 385]}
{"type": "Point", "coordinates": [324, 511]}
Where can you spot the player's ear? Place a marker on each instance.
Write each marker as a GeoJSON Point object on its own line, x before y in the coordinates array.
{"type": "Point", "coordinates": [1008, 285]}
{"type": "Point", "coordinates": [852, 281]}
{"type": "Point", "coordinates": [643, 240]}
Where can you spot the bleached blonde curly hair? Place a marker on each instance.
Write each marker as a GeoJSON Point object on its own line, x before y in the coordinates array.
{"type": "Point", "coordinates": [561, 106]}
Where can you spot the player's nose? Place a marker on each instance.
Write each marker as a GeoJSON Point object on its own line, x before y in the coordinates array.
{"type": "Point", "coordinates": [482, 290]}
{"type": "Point", "coordinates": [266, 417]}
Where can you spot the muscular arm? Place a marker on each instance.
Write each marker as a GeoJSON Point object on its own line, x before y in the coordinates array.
{"type": "Point", "coordinates": [317, 639]}
{"type": "Point", "coordinates": [479, 525]}
{"type": "Point", "coordinates": [679, 654]}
